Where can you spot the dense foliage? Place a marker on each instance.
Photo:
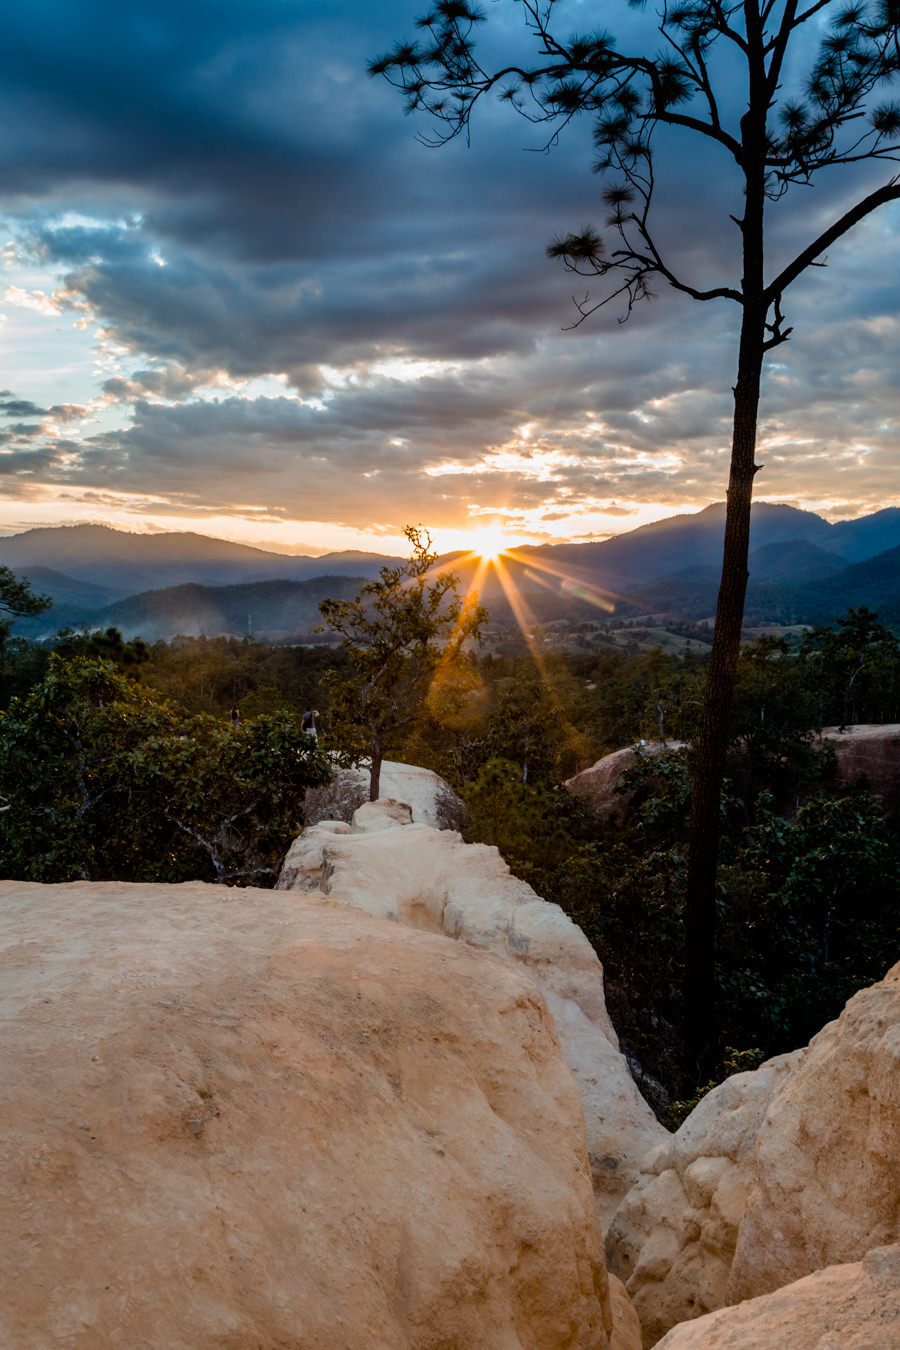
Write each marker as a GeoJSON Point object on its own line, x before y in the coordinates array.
{"type": "Point", "coordinates": [104, 780]}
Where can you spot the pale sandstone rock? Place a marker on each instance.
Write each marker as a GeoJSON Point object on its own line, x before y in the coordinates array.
{"type": "Point", "coordinates": [845, 1307]}
{"type": "Point", "coordinates": [229, 1120]}
{"type": "Point", "coordinates": [380, 815]}
{"type": "Point", "coordinates": [431, 799]}
{"type": "Point", "coordinates": [827, 1183]}
{"type": "Point", "coordinates": [673, 1239]}
{"type": "Point", "coordinates": [430, 879]}
{"type": "Point", "coordinates": [626, 1332]}
{"type": "Point", "coordinates": [598, 785]}
{"type": "Point", "coordinates": [776, 1174]}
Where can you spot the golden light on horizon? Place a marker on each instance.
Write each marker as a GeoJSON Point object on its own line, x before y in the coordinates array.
{"type": "Point", "coordinates": [488, 542]}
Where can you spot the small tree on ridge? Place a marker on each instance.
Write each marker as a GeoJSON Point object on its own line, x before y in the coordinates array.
{"type": "Point", "coordinates": [400, 633]}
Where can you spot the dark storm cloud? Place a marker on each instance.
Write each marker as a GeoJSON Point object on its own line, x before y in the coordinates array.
{"type": "Point", "coordinates": [436, 441]}
{"type": "Point", "coordinates": [300, 221]}
{"type": "Point", "coordinates": [260, 208]}
{"type": "Point", "coordinates": [245, 322]}
{"type": "Point", "coordinates": [18, 407]}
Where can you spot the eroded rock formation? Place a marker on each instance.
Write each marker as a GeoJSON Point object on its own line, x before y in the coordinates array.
{"type": "Point", "coordinates": [776, 1174]}
{"type": "Point", "coordinates": [848, 1307]}
{"type": "Point", "coordinates": [230, 1119]}
{"type": "Point", "coordinates": [827, 1183]}
{"type": "Point", "coordinates": [868, 753]}
{"type": "Point", "coordinates": [431, 800]}
{"type": "Point", "coordinates": [598, 785]}
{"type": "Point", "coordinates": [673, 1240]}
{"type": "Point", "coordinates": [427, 878]}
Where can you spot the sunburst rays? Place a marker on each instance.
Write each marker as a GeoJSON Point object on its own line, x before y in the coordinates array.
{"type": "Point", "coordinates": [490, 556]}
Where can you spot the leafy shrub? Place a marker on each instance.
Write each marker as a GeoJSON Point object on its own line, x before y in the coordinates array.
{"type": "Point", "coordinates": [107, 781]}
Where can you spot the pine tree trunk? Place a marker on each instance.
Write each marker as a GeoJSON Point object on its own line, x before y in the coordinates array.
{"type": "Point", "coordinates": [700, 1022]}
{"type": "Point", "coordinates": [376, 754]}
{"type": "Point", "coordinates": [701, 1026]}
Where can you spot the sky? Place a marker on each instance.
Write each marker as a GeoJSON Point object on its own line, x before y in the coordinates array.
{"type": "Point", "coordinates": [240, 296]}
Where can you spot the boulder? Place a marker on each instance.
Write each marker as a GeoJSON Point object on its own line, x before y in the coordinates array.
{"type": "Point", "coordinates": [847, 1307]}
{"type": "Point", "coordinates": [870, 753]}
{"type": "Point", "coordinates": [428, 878]}
{"type": "Point", "coordinates": [673, 1239]}
{"type": "Point", "coordinates": [431, 800]}
{"type": "Point", "coordinates": [774, 1175]}
{"type": "Point", "coordinates": [597, 786]}
{"type": "Point", "coordinates": [232, 1120]}
{"type": "Point", "coordinates": [380, 815]}
{"type": "Point", "coordinates": [827, 1177]}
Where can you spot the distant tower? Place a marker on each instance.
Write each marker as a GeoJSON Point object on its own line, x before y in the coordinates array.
{"type": "Point", "coordinates": [249, 624]}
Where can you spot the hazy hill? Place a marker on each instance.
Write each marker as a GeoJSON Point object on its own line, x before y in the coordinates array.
{"type": "Point", "coordinates": [691, 594]}
{"type": "Point", "coordinates": [859, 539]}
{"type": "Point", "coordinates": [270, 610]}
{"type": "Point", "coordinates": [74, 602]}
{"type": "Point", "coordinates": [796, 560]}
{"type": "Point", "coordinates": [63, 589]}
{"type": "Point", "coordinates": [668, 546]}
{"type": "Point", "coordinates": [126, 563]}
{"type": "Point", "coordinates": [875, 583]}
{"type": "Point", "coordinates": [672, 567]}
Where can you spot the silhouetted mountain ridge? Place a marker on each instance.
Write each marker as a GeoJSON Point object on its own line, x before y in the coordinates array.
{"type": "Point", "coordinates": [128, 563]}
{"type": "Point", "coordinates": [803, 569]}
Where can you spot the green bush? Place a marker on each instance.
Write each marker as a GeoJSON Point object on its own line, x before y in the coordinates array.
{"type": "Point", "coordinates": [105, 781]}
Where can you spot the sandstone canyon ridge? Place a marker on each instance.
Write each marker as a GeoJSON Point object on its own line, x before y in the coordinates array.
{"type": "Point", "coordinates": [383, 1107]}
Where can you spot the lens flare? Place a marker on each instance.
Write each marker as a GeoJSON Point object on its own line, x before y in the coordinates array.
{"type": "Point", "coordinates": [488, 542]}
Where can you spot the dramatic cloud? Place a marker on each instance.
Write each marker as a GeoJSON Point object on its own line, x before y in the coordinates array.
{"type": "Point", "coordinates": [238, 286]}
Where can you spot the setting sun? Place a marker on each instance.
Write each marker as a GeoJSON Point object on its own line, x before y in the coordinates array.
{"type": "Point", "coordinates": [488, 543]}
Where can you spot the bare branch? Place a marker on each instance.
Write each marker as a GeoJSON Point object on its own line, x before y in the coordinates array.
{"type": "Point", "coordinates": [890, 192]}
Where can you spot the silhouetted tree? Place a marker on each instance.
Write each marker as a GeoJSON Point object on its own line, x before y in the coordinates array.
{"type": "Point", "coordinates": [401, 633]}
{"type": "Point", "coordinates": [721, 75]}
{"type": "Point", "coordinates": [108, 645]}
{"type": "Point", "coordinates": [18, 599]}
{"type": "Point", "coordinates": [853, 667]}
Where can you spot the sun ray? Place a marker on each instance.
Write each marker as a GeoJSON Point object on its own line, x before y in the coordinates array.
{"type": "Point", "coordinates": [488, 554]}
{"type": "Point", "coordinates": [571, 581]}
{"type": "Point", "coordinates": [470, 599]}
{"type": "Point", "coordinates": [527, 624]}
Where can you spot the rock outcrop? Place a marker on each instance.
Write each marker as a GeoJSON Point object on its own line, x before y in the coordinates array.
{"type": "Point", "coordinates": [827, 1184]}
{"type": "Point", "coordinates": [431, 800]}
{"type": "Point", "coordinates": [427, 878]}
{"type": "Point", "coordinates": [848, 1307]}
{"type": "Point", "coordinates": [673, 1239]}
{"type": "Point", "coordinates": [598, 785]}
{"type": "Point", "coordinates": [868, 753]}
{"type": "Point", "coordinates": [230, 1119]}
{"type": "Point", "coordinates": [776, 1174]}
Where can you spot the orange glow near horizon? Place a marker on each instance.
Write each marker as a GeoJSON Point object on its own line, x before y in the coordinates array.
{"type": "Point", "coordinates": [488, 543]}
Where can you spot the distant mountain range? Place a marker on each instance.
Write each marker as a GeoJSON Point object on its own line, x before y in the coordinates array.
{"type": "Point", "coordinates": [124, 563]}
{"type": "Point", "coordinates": [803, 569]}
